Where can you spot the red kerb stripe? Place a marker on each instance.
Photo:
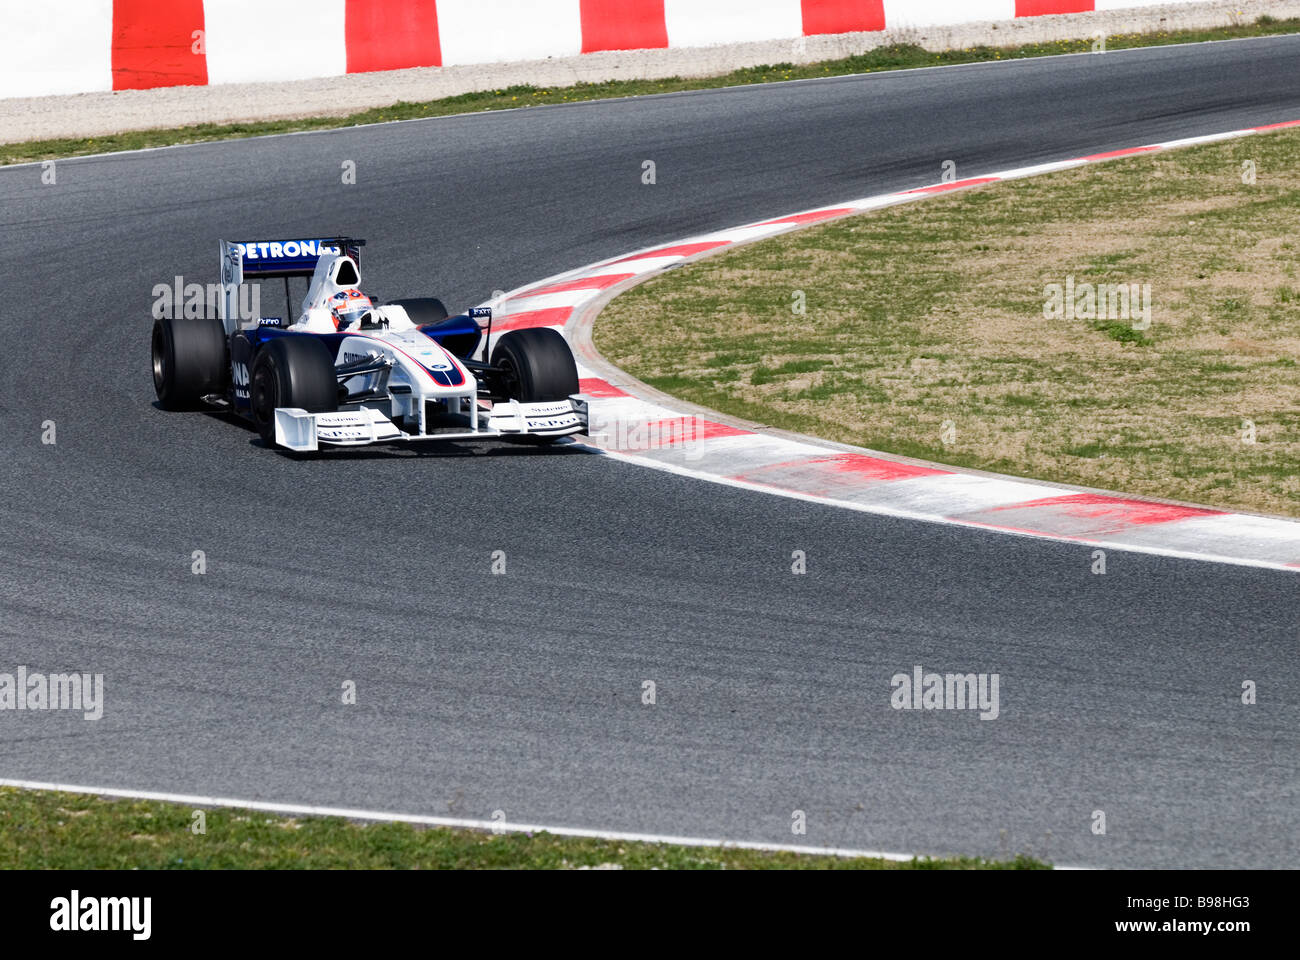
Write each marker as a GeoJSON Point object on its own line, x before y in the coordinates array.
{"type": "Point", "coordinates": [689, 430]}
{"type": "Point", "coordinates": [582, 283]}
{"type": "Point", "coordinates": [873, 468]}
{"type": "Point", "coordinates": [555, 317]}
{"type": "Point", "coordinates": [391, 34]}
{"type": "Point", "coordinates": [1278, 126]}
{"type": "Point", "coordinates": [842, 16]}
{"type": "Point", "coordinates": [1038, 8]}
{"type": "Point", "coordinates": [808, 217]}
{"type": "Point", "coordinates": [623, 25]}
{"type": "Point", "coordinates": [680, 250]}
{"type": "Point", "coordinates": [597, 387]}
{"type": "Point", "coordinates": [154, 44]}
{"type": "Point", "coordinates": [1119, 153]}
{"type": "Point", "coordinates": [1133, 512]}
{"type": "Point", "coordinates": [955, 185]}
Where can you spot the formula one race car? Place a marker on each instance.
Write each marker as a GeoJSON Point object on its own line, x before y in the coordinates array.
{"type": "Point", "coordinates": [349, 372]}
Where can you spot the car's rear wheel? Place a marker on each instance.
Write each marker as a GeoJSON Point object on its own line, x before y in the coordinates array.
{"type": "Point", "coordinates": [189, 361]}
{"type": "Point", "coordinates": [291, 371]}
{"type": "Point", "coordinates": [423, 310]}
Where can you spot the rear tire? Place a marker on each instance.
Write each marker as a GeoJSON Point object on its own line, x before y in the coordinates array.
{"type": "Point", "coordinates": [189, 361]}
{"type": "Point", "coordinates": [422, 310]}
{"type": "Point", "coordinates": [291, 371]}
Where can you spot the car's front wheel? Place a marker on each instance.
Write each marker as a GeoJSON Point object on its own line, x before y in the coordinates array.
{"type": "Point", "coordinates": [291, 371]}
{"type": "Point", "coordinates": [536, 366]}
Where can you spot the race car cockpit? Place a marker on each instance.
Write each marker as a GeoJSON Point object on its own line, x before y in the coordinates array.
{"type": "Point", "coordinates": [334, 301]}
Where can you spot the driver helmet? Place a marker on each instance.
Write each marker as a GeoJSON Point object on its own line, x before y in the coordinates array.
{"type": "Point", "coordinates": [348, 307]}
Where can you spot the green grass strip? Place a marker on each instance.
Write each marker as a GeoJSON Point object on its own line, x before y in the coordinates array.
{"type": "Point", "coordinates": [46, 830]}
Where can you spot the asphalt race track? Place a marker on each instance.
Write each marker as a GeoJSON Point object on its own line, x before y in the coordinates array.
{"type": "Point", "coordinates": [522, 692]}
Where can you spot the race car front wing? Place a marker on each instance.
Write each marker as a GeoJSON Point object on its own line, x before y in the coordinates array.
{"type": "Point", "coordinates": [304, 432]}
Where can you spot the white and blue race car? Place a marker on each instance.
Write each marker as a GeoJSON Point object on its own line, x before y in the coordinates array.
{"type": "Point", "coordinates": [349, 372]}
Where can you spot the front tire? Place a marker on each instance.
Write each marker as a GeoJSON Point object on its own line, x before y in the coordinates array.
{"type": "Point", "coordinates": [291, 371]}
{"type": "Point", "coordinates": [537, 365]}
{"type": "Point", "coordinates": [189, 361]}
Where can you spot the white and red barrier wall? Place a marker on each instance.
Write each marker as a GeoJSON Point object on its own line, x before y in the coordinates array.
{"type": "Point", "coordinates": [80, 46]}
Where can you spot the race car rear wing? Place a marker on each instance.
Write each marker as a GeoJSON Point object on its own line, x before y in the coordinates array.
{"type": "Point", "coordinates": [270, 259]}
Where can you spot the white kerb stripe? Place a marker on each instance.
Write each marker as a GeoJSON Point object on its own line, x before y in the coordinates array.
{"type": "Point", "coordinates": [57, 46]}
{"type": "Point", "coordinates": [704, 23]}
{"type": "Point", "coordinates": [525, 303]}
{"type": "Point", "coordinates": [253, 40]}
{"type": "Point", "coordinates": [934, 13]}
{"type": "Point", "coordinates": [1127, 4]}
{"type": "Point", "coordinates": [496, 31]}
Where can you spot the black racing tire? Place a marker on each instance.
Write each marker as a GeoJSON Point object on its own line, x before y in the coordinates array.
{"type": "Point", "coordinates": [291, 371]}
{"type": "Point", "coordinates": [422, 310]}
{"type": "Point", "coordinates": [189, 361]}
{"type": "Point", "coordinates": [537, 365]}
{"type": "Point", "coordinates": [538, 368]}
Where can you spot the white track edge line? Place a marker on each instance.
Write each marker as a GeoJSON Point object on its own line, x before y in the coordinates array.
{"type": "Point", "coordinates": [349, 813]}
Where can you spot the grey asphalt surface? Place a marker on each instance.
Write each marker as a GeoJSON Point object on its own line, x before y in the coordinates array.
{"type": "Point", "coordinates": [522, 692]}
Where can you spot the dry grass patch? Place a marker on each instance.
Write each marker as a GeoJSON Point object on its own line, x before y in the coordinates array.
{"type": "Point", "coordinates": [933, 313]}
